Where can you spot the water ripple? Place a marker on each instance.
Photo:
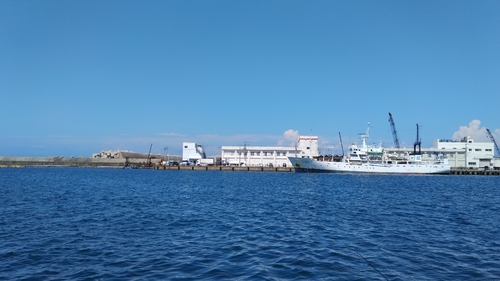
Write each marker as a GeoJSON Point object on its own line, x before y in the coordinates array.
{"type": "Point", "coordinates": [185, 225]}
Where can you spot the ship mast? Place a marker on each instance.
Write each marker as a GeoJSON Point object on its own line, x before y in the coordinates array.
{"type": "Point", "coordinates": [341, 145]}
{"type": "Point", "coordinates": [363, 137]}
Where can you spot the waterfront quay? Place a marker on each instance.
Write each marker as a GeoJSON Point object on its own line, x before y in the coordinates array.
{"type": "Point", "coordinates": [225, 168]}
{"type": "Point", "coordinates": [475, 172]}
{"type": "Point", "coordinates": [290, 169]}
{"type": "Point", "coordinates": [25, 162]}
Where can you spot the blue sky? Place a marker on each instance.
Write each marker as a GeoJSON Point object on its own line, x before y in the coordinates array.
{"type": "Point", "coordinates": [78, 77]}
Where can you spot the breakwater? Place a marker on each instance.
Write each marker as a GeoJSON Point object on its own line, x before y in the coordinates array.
{"type": "Point", "coordinates": [56, 161]}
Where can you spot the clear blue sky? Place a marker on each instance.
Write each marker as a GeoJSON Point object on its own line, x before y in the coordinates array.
{"type": "Point", "coordinates": [78, 77]}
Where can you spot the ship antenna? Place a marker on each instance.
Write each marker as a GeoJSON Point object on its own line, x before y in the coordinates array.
{"type": "Point", "coordinates": [365, 136]}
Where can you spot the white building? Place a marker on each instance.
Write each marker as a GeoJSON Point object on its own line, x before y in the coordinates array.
{"type": "Point", "coordinates": [266, 156]}
{"type": "Point", "coordinates": [192, 152]}
{"type": "Point", "coordinates": [464, 153]}
{"type": "Point", "coordinates": [308, 146]}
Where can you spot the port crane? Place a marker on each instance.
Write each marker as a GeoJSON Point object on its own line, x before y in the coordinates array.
{"type": "Point", "coordinates": [493, 139]}
{"type": "Point", "coordinates": [417, 143]}
{"type": "Point", "coordinates": [149, 156]}
{"type": "Point", "coordinates": [393, 128]}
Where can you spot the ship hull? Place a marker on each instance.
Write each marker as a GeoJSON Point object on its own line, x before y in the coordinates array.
{"type": "Point", "coordinates": [309, 165]}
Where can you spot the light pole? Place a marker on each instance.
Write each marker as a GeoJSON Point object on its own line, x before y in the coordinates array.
{"type": "Point", "coordinates": [165, 149]}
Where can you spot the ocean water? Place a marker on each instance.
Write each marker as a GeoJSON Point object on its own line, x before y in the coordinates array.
{"type": "Point", "coordinates": [110, 224]}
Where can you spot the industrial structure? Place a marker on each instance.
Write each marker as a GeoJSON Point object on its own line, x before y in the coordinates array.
{"type": "Point", "coordinates": [497, 150]}
{"type": "Point", "coordinates": [464, 153]}
{"type": "Point", "coordinates": [194, 154]}
{"type": "Point", "coordinates": [394, 133]}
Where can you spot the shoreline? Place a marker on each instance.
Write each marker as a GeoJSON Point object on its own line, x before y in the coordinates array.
{"type": "Point", "coordinates": [122, 164]}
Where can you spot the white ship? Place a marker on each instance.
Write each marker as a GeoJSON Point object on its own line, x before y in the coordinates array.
{"type": "Point", "coordinates": [373, 159]}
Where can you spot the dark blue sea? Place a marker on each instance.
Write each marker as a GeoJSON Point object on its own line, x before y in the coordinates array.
{"type": "Point", "coordinates": [116, 224]}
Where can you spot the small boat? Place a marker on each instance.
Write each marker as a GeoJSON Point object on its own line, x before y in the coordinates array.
{"type": "Point", "coordinates": [373, 159]}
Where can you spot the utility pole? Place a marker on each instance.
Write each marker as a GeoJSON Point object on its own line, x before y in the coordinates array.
{"type": "Point", "coordinates": [247, 161]}
{"type": "Point", "coordinates": [165, 149]}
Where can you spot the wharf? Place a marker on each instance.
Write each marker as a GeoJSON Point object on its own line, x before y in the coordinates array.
{"type": "Point", "coordinates": [22, 162]}
{"type": "Point", "coordinates": [475, 172]}
{"type": "Point", "coordinates": [289, 169]}
{"type": "Point", "coordinates": [226, 168]}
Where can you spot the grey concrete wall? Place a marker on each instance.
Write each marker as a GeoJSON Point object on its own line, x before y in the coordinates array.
{"type": "Point", "coordinates": [59, 161]}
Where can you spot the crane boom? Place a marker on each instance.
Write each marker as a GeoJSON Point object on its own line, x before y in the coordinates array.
{"type": "Point", "coordinates": [149, 156]}
{"type": "Point", "coordinates": [493, 139]}
{"type": "Point", "coordinates": [393, 128]}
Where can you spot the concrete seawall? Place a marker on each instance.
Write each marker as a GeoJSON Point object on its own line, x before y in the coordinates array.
{"type": "Point", "coordinates": [59, 161]}
{"type": "Point", "coordinates": [226, 168]}
{"type": "Point", "coordinates": [288, 169]}
{"type": "Point", "coordinates": [475, 172]}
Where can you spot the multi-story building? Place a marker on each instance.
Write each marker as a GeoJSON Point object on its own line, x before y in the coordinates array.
{"type": "Point", "coordinates": [275, 156]}
{"type": "Point", "coordinates": [192, 152]}
{"type": "Point", "coordinates": [466, 153]}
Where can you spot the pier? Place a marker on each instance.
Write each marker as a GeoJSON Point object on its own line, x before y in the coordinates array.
{"type": "Point", "coordinates": [475, 172]}
{"type": "Point", "coordinates": [289, 169]}
{"type": "Point", "coordinates": [226, 168]}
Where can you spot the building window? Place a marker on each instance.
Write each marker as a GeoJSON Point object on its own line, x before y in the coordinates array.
{"type": "Point", "coordinates": [470, 149]}
{"type": "Point", "coordinates": [488, 149]}
{"type": "Point", "coordinates": [472, 163]}
{"type": "Point", "coordinates": [251, 153]}
{"type": "Point", "coordinates": [478, 149]}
